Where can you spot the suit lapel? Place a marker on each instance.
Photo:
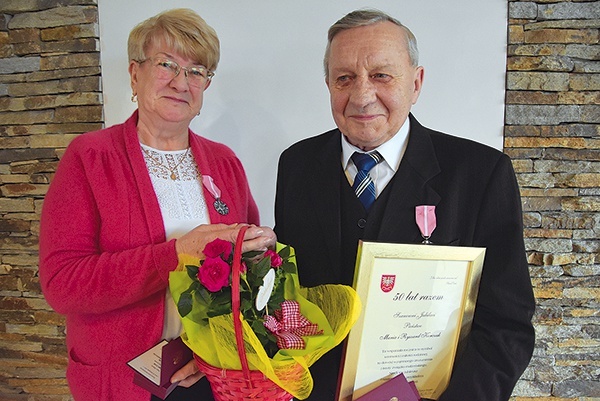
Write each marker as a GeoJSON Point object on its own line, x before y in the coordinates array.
{"type": "Point", "coordinates": [325, 192]}
{"type": "Point", "coordinates": [410, 188]}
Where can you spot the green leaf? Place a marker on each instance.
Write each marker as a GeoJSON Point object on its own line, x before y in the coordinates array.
{"type": "Point", "coordinates": [203, 295]}
{"type": "Point", "coordinates": [275, 301]}
{"type": "Point", "coordinates": [262, 267]}
{"type": "Point", "coordinates": [253, 280]}
{"type": "Point", "coordinates": [192, 271]}
{"type": "Point", "coordinates": [221, 304]}
{"type": "Point", "coordinates": [218, 310]}
{"type": "Point", "coordinates": [268, 340]}
{"type": "Point", "coordinates": [247, 308]}
{"type": "Point", "coordinates": [289, 267]}
{"type": "Point", "coordinates": [251, 255]}
{"type": "Point", "coordinates": [184, 306]}
{"type": "Point", "coordinates": [222, 297]}
{"type": "Point", "coordinates": [245, 286]}
{"type": "Point", "coordinates": [285, 252]}
{"type": "Point", "coordinates": [196, 286]}
{"type": "Point", "coordinates": [258, 328]}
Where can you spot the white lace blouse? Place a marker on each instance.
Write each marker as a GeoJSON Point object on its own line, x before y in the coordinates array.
{"type": "Point", "coordinates": [177, 184]}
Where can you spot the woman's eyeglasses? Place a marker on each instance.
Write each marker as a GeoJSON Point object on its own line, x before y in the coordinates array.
{"type": "Point", "coordinates": [169, 69]}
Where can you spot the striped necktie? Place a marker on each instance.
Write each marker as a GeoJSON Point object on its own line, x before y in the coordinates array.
{"type": "Point", "coordinates": [363, 183]}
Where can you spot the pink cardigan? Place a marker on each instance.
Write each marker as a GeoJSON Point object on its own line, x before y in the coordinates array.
{"type": "Point", "coordinates": [104, 262]}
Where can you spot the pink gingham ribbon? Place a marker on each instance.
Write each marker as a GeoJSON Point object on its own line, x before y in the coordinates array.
{"type": "Point", "coordinates": [288, 325]}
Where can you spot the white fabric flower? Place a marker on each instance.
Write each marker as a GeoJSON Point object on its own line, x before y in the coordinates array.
{"type": "Point", "coordinates": [265, 290]}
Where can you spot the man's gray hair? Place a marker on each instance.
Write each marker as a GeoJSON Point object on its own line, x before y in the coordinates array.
{"type": "Point", "coordinates": [365, 17]}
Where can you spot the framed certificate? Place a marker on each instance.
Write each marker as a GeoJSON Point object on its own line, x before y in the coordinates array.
{"type": "Point", "coordinates": [418, 305]}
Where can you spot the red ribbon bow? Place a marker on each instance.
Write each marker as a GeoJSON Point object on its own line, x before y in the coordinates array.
{"type": "Point", "coordinates": [288, 325]}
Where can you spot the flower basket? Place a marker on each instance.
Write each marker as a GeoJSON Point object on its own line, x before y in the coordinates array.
{"type": "Point", "coordinates": [227, 335]}
{"type": "Point", "coordinates": [240, 385]}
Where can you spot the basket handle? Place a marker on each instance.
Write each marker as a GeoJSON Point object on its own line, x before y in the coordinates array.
{"type": "Point", "coordinates": [235, 302]}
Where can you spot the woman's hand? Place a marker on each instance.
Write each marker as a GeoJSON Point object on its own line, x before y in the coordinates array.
{"type": "Point", "coordinates": [255, 239]}
{"type": "Point", "coordinates": [187, 375]}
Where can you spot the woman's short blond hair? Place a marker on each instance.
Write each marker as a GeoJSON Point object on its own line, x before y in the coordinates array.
{"type": "Point", "coordinates": [180, 29]}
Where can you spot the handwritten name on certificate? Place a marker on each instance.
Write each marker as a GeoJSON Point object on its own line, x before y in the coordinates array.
{"type": "Point", "coordinates": [413, 314]}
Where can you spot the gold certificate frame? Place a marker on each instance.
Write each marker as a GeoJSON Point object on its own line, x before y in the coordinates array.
{"type": "Point", "coordinates": [418, 305]}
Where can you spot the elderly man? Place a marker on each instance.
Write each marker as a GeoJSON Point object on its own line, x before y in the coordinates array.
{"type": "Point", "coordinates": [327, 201]}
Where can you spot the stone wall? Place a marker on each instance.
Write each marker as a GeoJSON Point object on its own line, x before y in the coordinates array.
{"type": "Point", "coordinates": [50, 91]}
{"type": "Point", "coordinates": [552, 134]}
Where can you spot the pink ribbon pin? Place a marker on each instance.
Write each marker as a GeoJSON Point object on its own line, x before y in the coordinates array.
{"type": "Point", "coordinates": [220, 206]}
{"type": "Point", "coordinates": [425, 217]}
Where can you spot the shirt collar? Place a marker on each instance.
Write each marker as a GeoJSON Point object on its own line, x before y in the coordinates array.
{"type": "Point", "coordinates": [392, 150]}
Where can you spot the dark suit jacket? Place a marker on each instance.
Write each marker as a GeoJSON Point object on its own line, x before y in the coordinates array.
{"type": "Point", "coordinates": [477, 204]}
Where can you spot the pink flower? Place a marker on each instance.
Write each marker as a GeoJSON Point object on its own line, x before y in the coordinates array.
{"type": "Point", "coordinates": [218, 248]}
{"type": "Point", "coordinates": [276, 260]}
{"type": "Point", "coordinates": [214, 274]}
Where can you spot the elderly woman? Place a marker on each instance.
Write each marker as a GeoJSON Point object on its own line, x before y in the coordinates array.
{"type": "Point", "coordinates": [127, 200]}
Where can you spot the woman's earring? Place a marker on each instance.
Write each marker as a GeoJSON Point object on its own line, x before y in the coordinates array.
{"type": "Point", "coordinates": [134, 98]}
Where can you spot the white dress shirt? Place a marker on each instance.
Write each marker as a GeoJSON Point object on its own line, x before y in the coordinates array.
{"type": "Point", "coordinates": [391, 151]}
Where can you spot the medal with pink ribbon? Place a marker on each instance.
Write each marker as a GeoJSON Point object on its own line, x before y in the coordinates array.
{"type": "Point", "coordinates": [220, 206]}
{"type": "Point", "coordinates": [425, 216]}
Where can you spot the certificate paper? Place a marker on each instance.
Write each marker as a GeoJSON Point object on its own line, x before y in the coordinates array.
{"type": "Point", "coordinates": [418, 303]}
{"type": "Point", "coordinates": [149, 363]}
{"type": "Point", "coordinates": [154, 368]}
